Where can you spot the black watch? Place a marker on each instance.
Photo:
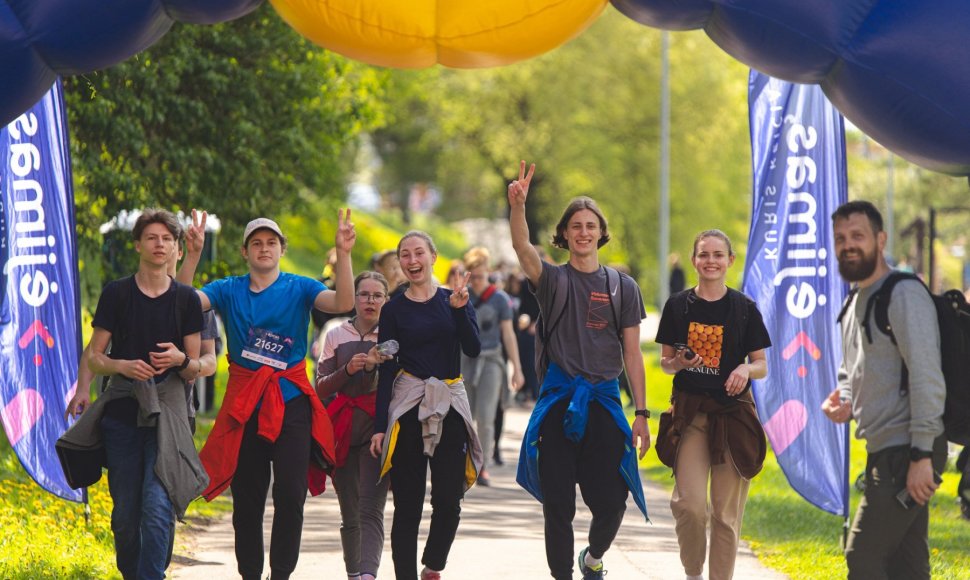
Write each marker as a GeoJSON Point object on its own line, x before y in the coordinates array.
{"type": "Point", "coordinates": [645, 413]}
{"type": "Point", "coordinates": [916, 454]}
{"type": "Point", "coordinates": [185, 363]}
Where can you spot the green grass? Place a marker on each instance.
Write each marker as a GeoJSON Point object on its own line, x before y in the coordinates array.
{"type": "Point", "coordinates": [45, 537]}
{"type": "Point", "coordinates": [790, 535]}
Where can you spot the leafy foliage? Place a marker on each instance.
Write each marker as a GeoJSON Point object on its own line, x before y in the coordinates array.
{"type": "Point", "coordinates": [244, 118]}
{"type": "Point", "coordinates": [588, 115]}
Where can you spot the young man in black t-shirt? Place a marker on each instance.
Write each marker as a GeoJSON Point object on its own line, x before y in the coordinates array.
{"type": "Point", "coordinates": [155, 336]}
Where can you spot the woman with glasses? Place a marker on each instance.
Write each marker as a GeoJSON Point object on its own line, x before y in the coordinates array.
{"type": "Point", "coordinates": [348, 369]}
{"type": "Point", "coordinates": [423, 410]}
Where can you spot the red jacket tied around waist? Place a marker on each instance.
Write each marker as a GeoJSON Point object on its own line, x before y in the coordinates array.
{"type": "Point", "coordinates": [341, 411]}
{"type": "Point", "coordinates": [245, 390]}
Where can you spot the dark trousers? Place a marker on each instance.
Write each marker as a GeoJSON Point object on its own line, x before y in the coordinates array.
{"type": "Point", "coordinates": [963, 466]}
{"type": "Point", "coordinates": [527, 357]}
{"type": "Point", "coordinates": [142, 519]}
{"type": "Point", "coordinates": [593, 463]}
{"type": "Point", "coordinates": [496, 457]}
{"type": "Point", "coordinates": [408, 481]}
{"type": "Point", "coordinates": [886, 539]}
{"type": "Point", "coordinates": [289, 459]}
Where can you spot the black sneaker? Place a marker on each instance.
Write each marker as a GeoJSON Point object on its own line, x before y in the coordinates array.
{"type": "Point", "coordinates": [590, 573]}
{"type": "Point", "coordinates": [965, 508]}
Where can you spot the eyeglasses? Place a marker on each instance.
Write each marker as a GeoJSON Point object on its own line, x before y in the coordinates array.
{"type": "Point", "coordinates": [368, 297]}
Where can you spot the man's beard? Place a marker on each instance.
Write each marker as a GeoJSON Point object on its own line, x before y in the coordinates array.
{"type": "Point", "coordinates": [860, 270]}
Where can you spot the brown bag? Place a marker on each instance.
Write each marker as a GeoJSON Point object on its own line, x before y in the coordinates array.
{"type": "Point", "coordinates": [667, 438]}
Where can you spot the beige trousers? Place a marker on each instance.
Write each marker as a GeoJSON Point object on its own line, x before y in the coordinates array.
{"type": "Point", "coordinates": [689, 504]}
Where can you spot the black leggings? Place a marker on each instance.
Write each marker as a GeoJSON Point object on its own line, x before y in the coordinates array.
{"type": "Point", "coordinates": [289, 458]}
{"type": "Point", "coordinates": [409, 474]}
{"type": "Point", "coordinates": [593, 463]}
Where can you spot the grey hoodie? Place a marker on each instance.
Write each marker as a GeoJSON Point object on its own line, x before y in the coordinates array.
{"type": "Point", "coordinates": [870, 373]}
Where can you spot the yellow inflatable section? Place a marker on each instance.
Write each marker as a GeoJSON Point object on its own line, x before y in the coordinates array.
{"type": "Point", "coordinates": [454, 33]}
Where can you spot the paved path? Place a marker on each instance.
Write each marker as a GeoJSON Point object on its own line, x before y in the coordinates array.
{"type": "Point", "coordinates": [500, 536]}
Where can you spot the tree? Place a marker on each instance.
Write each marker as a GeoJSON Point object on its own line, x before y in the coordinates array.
{"type": "Point", "coordinates": [588, 114]}
{"type": "Point", "coordinates": [244, 118]}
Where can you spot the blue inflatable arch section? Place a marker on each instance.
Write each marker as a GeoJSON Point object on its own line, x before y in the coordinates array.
{"type": "Point", "coordinates": [898, 69]}
{"type": "Point", "coordinates": [41, 39]}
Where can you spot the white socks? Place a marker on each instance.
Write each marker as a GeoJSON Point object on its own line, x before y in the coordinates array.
{"type": "Point", "coordinates": [698, 577]}
{"type": "Point", "coordinates": [591, 561]}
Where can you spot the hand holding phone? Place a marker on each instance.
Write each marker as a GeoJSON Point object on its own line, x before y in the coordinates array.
{"type": "Point", "coordinates": [907, 500]}
{"type": "Point", "coordinates": [688, 353]}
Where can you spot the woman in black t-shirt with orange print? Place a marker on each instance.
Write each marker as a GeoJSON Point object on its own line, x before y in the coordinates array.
{"type": "Point", "coordinates": [713, 341]}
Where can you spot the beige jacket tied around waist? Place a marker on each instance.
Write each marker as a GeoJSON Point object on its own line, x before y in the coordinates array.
{"type": "Point", "coordinates": [433, 397]}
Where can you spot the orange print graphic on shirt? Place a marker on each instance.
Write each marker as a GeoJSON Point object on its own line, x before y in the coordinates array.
{"type": "Point", "coordinates": [599, 309]}
{"type": "Point", "coordinates": [706, 340]}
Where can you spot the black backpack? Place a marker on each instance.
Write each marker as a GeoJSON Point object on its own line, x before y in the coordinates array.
{"type": "Point", "coordinates": [560, 300]}
{"type": "Point", "coordinates": [953, 314]}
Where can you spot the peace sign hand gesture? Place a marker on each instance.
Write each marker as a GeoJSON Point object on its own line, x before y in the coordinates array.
{"type": "Point", "coordinates": [459, 295]}
{"type": "Point", "coordinates": [195, 234]}
{"type": "Point", "coordinates": [346, 235]}
{"type": "Point", "coordinates": [519, 189]}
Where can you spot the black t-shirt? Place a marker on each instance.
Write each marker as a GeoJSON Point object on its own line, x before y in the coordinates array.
{"type": "Point", "coordinates": [709, 329]}
{"type": "Point", "coordinates": [137, 324]}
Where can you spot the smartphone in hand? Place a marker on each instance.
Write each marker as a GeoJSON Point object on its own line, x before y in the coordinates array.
{"type": "Point", "coordinates": [688, 353]}
{"type": "Point", "coordinates": [906, 500]}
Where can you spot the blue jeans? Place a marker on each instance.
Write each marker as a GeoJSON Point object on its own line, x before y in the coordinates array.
{"type": "Point", "coordinates": [143, 519]}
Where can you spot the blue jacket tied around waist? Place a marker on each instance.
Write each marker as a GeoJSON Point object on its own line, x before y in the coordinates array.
{"type": "Point", "coordinates": [580, 392]}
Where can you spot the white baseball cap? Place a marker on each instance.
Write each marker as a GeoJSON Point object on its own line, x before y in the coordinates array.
{"type": "Point", "coordinates": [262, 224]}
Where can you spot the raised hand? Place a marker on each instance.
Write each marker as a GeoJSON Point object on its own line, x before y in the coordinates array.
{"type": "Point", "coordinates": [454, 278]}
{"type": "Point", "coordinates": [459, 294]}
{"type": "Point", "coordinates": [519, 189]}
{"type": "Point", "coordinates": [195, 235]}
{"type": "Point", "coordinates": [346, 236]}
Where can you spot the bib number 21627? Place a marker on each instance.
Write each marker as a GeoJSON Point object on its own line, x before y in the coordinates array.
{"type": "Point", "coordinates": [267, 348]}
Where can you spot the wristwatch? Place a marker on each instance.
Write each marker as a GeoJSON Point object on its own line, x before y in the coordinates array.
{"type": "Point", "coordinates": [645, 413]}
{"type": "Point", "coordinates": [915, 454]}
{"type": "Point", "coordinates": [185, 362]}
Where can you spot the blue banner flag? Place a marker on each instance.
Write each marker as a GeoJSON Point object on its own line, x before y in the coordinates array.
{"type": "Point", "coordinates": [39, 325]}
{"type": "Point", "coordinates": [798, 158]}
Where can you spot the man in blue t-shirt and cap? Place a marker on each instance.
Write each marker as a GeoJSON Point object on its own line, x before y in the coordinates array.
{"type": "Point", "coordinates": [271, 419]}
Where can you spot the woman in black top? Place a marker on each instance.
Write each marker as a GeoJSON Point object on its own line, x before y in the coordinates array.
{"type": "Point", "coordinates": [713, 340]}
{"type": "Point", "coordinates": [423, 410]}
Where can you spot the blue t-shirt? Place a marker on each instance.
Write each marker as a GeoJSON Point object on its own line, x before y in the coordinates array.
{"type": "Point", "coordinates": [268, 327]}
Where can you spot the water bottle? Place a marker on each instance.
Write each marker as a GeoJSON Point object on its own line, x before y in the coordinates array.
{"type": "Point", "coordinates": [388, 348]}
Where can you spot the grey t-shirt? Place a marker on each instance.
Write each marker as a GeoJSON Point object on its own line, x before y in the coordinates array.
{"type": "Point", "coordinates": [586, 342]}
{"type": "Point", "coordinates": [490, 314]}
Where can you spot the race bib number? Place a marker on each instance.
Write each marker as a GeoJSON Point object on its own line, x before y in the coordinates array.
{"type": "Point", "coordinates": [268, 348]}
